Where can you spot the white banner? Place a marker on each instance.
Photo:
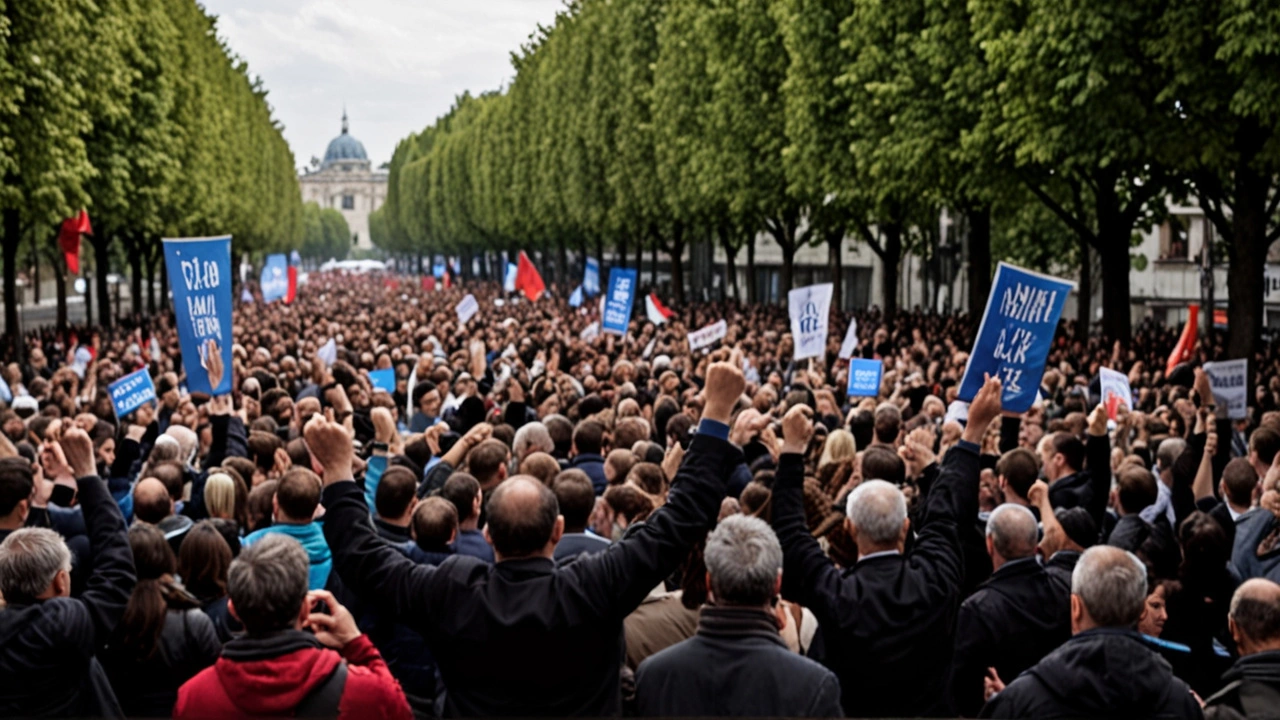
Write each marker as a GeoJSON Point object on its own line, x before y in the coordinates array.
{"type": "Point", "coordinates": [810, 309]}
{"type": "Point", "coordinates": [467, 309]}
{"type": "Point", "coordinates": [590, 332]}
{"type": "Point", "coordinates": [706, 336]}
{"type": "Point", "coordinates": [1111, 382]}
{"type": "Point", "coordinates": [850, 343]}
{"type": "Point", "coordinates": [1230, 381]}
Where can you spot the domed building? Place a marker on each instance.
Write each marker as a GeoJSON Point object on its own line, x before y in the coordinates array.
{"type": "Point", "coordinates": [346, 181]}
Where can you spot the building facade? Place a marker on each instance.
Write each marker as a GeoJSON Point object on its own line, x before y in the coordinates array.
{"type": "Point", "coordinates": [346, 181]}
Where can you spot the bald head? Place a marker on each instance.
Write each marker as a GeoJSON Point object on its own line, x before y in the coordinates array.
{"type": "Point", "coordinates": [151, 501]}
{"type": "Point", "coordinates": [1013, 533]}
{"type": "Point", "coordinates": [187, 441]}
{"type": "Point", "coordinates": [1255, 616]}
{"type": "Point", "coordinates": [524, 519]}
{"type": "Point", "coordinates": [1108, 589]}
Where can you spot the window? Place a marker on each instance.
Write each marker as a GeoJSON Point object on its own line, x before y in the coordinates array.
{"type": "Point", "coordinates": [1174, 238]}
{"type": "Point", "coordinates": [348, 202]}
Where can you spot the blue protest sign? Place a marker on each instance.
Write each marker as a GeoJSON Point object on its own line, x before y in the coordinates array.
{"type": "Point", "coordinates": [200, 277]}
{"type": "Point", "coordinates": [438, 268]}
{"type": "Point", "coordinates": [295, 258]}
{"type": "Point", "coordinates": [575, 298]}
{"type": "Point", "coordinates": [509, 281]}
{"type": "Point", "coordinates": [1015, 335]}
{"type": "Point", "coordinates": [864, 378]}
{"type": "Point", "coordinates": [131, 392]}
{"type": "Point", "coordinates": [275, 278]}
{"type": "Point", "coordinates": [591, 278]}
{"type": "Point", "coordinates": [617, 304]}
{"type": "Point", "coordinates": [384, 380]}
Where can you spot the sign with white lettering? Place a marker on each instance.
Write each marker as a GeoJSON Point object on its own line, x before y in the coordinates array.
{"type": "Point", "coordinates": [1015, 335]}
{"type": "Point", "coordinates": [200, 278]}
{"type": "Point", "coordinates": [1230, 381]}
{"type": "Point", "coordinates": [703, 337]}
{"type": "Point", "coordinates": [810, 309]}
{"type": "Point", "coordinates": [618, 301]}
{"type": "Point", "coordinates": [131, 392]}
{"type": "Point", "coordinates": [864, 377]}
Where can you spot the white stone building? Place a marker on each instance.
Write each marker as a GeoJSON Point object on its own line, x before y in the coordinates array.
{"type": "Point", "coordinates": [346, 181]}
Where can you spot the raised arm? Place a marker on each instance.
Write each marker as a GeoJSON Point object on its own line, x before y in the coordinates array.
{"type": "Point", "coordinates": [1098, 463]}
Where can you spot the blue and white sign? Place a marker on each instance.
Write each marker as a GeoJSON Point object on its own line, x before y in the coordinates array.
{"type": "Point", "coordinates": [383, 380]}
{"type": "Point", "coordinates": [618, 302]}
{"type": "Point", "coordinates": [575, 298]}
{"type": "Point", "coordinates": [200, 277]}
{"type": "Point", "coordinates": [1229, 380]}
{"type": "Point", "coordinates": [438, 268]}
{"type": "Point", "coordinates": [467, 308]}
{"type": "Point", "coordinates": [1015, 335]}
{"type": "Point", "coordinates": [864, 377]}
{"type": "Point", "coordinates": [509, 282]}
{"type": "Point", "coordinates": [131, 392]}
{"type": "Point", "coordinates": [591, 278]}
{"type": "Point", "coordinates": [810, 309]}
{"type": "Point", "coordinates": [275, 278]}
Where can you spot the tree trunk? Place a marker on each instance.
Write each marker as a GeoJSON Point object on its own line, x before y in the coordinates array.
{"type": "Point", "coordinates": [1246, 276]}
{"type": "Point", "coordinates": [102, 262]}
{"type": "Point", "coordinates": [60, 289]}
{"type": "Point", "coordinates": [892, 262]}
{"type": "Point", "coordinates": [562, 262]}
{"type": "Point", "coordinates": [653, 267]}
{"type": "Point", "coordinates": [1084, 292]}
{"type": "Point", "coordinates": [152, 260]}
{"type": "Point", "coordinates": [730, 272]}
{"type": "Point", "coordinates": [621, 259]}
{"type": "Point", "coordinates": [164, 273]}
{"type": "Point", "coordinates": [639, 259]}
{"type": "Point", "coordinates": [751, 269]}
{"type": "Point", "coordinates": [979, 258]}
{"type": "Point", "coordinates": [676, 252]}
{"type": "Point", "coordinates": [134, 246]}
{"type": "Point", "coordinates": [599, 255]}
{"type": "Point", "coordinates": [35, 267]}
{"type": "Point", "coordinates": [835, 244]}
{"type": "Point", "coordinates": [12, 236]}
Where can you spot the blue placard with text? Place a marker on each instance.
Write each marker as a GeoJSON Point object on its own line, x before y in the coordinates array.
{"type": "Point", "coordinates": [617, 304]}
{"type": "Point", "coordinates": [131, 392]}
{"type": "Point", "coordinates": [1016, 335]}
{"type": "Point", "coordinates": [200, 277]}
{"type": "Point", "coordinates": [275, 278]}
{"type": "Point", "coordinates": [383, 379]}
{"type": "Point", "coordinates": [591, 278]}
{"type": "Point", "coordinates": [864, 378]}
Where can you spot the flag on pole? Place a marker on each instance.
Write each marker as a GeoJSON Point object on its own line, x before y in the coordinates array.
{"type": "Point", "coordinates": [575, 299]}
{"type": "Point", "coordinates": [292, 293]}
{"type": "Point", "coordinates": [528, 281]}
{"type": "Point", "coordinates": [1182, 351]}
{"type": "Point", "coordinates": [69, 239]}
{"type": "Point", "coordinates": [657, 312]}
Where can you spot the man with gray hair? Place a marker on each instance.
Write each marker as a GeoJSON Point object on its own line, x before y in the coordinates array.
{"type": "Point", "coordinates": [737, 664]}
{"type": "Point", "coordinates": [530, 438]}
{"type": "Point", "coordinates": [1105, 669]}
{"type": "Point", "coordinates": [301, 654]}
{"type": "Point", "coordinates": [887, 621]}
{"type": "Point", "coordinates": [1015, 618]}
{"type": "Point", "coordinates": [48, 639]}
{"type": "Point", "coordinates": [1253, 684]}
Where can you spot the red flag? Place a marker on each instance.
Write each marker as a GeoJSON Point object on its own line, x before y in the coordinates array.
{"type": "Point", "coordinates": [657, 312]}
{"type": "Point", "coordinates": [293, 285]}
{"type": "Point", "coordinates": [428, 283]}
{"type": "Point", "coordinates": [69, 239]}
{"type": "Point", "coordinates": [528, 280]}
{"type": "Point", "coordinates": [448, 282]}
{"type": "Point", "coordinates": [1182, 351]}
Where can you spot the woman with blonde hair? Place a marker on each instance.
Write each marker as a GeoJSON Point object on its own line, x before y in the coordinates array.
{"type": "Point", "coordinates": [225, 496]}
{"type": "Point", "coordinates": [839, 447]}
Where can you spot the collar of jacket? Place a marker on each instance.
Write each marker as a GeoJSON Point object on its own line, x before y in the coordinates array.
{"type": "Point", "coordinates": [387, 528]}
{"type": "Point", "coordinates": [1259, 666]}
{"type": "Point", "coordinates": [248, 648]}
{"type": "Point", "coordinates": [736, 622]}
{"type": "Point", "coordinates": [526, 567]}
{"type": "Point", "coordinates": [1015, 568]}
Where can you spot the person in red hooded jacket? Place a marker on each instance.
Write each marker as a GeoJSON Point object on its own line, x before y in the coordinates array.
{"type": "Point", "coordinates": [297, 658]}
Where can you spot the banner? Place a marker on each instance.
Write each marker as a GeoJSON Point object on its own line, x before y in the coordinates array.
{"type": "Point", "coordinates": [1230, 381]}
{"type": "Point", "coordinates": [655, 310]}
{"type": "Point", "coordinates": [708, 335]}
{"type": "Point", "coordinates": [591, 278]}
{"type": "Point", "coordinates": [528, 280]}
{"type": "Point", "coordinates": [575, 298]}
{"type": "Point", "coordinates": [200, 277]}
{"type": "Point", "coordinates": [864, 378]}
{"type": "Point", "coordinates": [467, 309]}
{"type": "Point", "coordinates": [437, 268]}
{"type": "Point", "coordinates": [850, 344]}
{"type": "Point", "coordinates": [1114, 388]}
{"type": "Point", "coordinates": [509, 282]}
{"type": "Point", "coordinates": [383, 380]}
{"type": "Point", "coordinates": [810, 309]}
{"type": "Point", "coordinates": [275, 278]}
{"type": "Point", "coordinates": [131, 392]}
{"type": "Point", "coordinates": [618, 302]}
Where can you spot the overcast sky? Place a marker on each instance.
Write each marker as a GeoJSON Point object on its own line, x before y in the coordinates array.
{"type": "Point", "coordinates": [396, 64]}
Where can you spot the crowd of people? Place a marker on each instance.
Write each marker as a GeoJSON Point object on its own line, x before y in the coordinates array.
{"type": "Point", "coordinates": [543, 519]}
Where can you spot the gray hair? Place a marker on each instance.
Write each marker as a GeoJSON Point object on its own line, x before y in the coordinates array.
{"type": "Point", "coordinates": [1168, 452]}
{"type": "Point", "coordinates": [532, 435]}
{"type": "Point", "coordinates": [1112, 584]}
{"type": "Point", "coordinates": [268, 583]}
{"type": "Point", "coordinates": [1013, 531]}
{"type": "Point", "coordinates": [743, 558]}
{"type": "Point", "coordinates": [877, 509]}
{"type": "Point", "coordinates": [30, 558]}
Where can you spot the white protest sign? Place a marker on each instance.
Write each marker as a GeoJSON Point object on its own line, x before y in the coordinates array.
{"type": "Point", "coordinates": [850, 343]}
{"type": "Point", "coordinates": [703, 337]}
{"type": "Point", "coordinates": [1230, 381]}
{"type": "Point", "coordinates": [1113, 384]}
{"type": "Point", "coordinates": [328, 352]}
{"type": "Point", "coordinates": [467, 309]}
{"type": "Point", "coordinates": [810, 309]}
{"type": "Point", "coordinates": [590, 332]}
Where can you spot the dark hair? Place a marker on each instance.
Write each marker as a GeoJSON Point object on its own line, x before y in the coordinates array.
{"type": "Point", "coordinates": [665, 409]}
{"type": "Point", "coordinates": [298, 494]}
{"type": "Point", "coordinates": [628, 502]}
{"type": "Point", "coordinates": [244, 466]}
{"type": "Point", "coordinates": [396, 491]}
{"type": "Point", "coordinates": [260, 504]}
{"type": "Point", "coordinates": [299, 455]}
{"type": "Point", "coordinates": [588, 437]}
{"type": "Point", "coordinates": [561, 432]}
{"type": "Point", "coordinates": [262, 448]}
{"type": "Point", "coordinates": [16, 483]}
{"type": "Point", "coordinates": [888, 423]}
{"type": "Point", "coordinates": [577, 498]}
{"type": "Point", "coordinates": [486, 459]}
{"type": "Point", "coordinates": [172, 474]}
{"type": "Point", "coordinates": [1206, 549]}
{"type": "Point", "coordinates": [1239, 478]}
{"type": "Point", "coordinates": [1265, 441]}
{"type": "Point", "coordinates": [1020, 469]}
{"type": "Point", "coordinates": [680, 427]}
{"type": "Point", "coordinates": [421, 388]}
{"type": "Point", "coordinates": [270, 399]}
{"type": "Point", "coordinates": [648, 477]}
{"type": "Point", "coordinates": [1136, 488]}
{"type": "Point", "coordinates": [203, 560]}
{"type": "Point", "coordinates": [154, 594]}
{"type": "Point", "coordinates": [628, 431]}
{"type": "Point", "coordinates": [881, 463]}
{"type": "Point", "coordinates": [461, 489]}
{"type": "Point", "coordinates": [268, 583]}
{"type": "Point", "coordinates": [434, 522]}
{"type": "Point", "coordinates": [519, 531]}
{"type": "Point", "coordinates": [863, 426]}
{"type": "Point", "coordinates": [1071, 448]}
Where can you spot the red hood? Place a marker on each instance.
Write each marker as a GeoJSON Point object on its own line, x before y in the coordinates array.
{"type": "Point", "coordinates": [275, 686]}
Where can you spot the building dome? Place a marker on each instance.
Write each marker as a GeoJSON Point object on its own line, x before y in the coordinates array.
{"type": "Point", "coordinates": [344, 147]}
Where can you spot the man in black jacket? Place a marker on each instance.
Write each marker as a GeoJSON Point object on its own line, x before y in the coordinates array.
{"type": "Point", "coordinates": [48, 640]}
{"type": "Point", "coordinates": [1105, 669]}
{"type": "Point", "coordinates": [737, 665]}
{"type": "Point", "coordinates": [1079, 474]}
{"type": "Point", "coordinates": [1253, 683]}
{"type": "Point", "coordinates": [887, 622]}
{"type": "Point", "coordinates": [1016, 618]}
{"type": "Point", "coordinates": [523, 636]}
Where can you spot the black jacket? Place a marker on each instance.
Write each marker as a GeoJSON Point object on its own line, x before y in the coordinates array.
{"type": "Point", "coordinates": [47, 648]}
{"type": "Point", "coordinates": [1060, 567]}
{"type": "Point", "coordinates": [188, 643]}
{"type": "Point", "coordinates": [1252, 689]}
{"type": "Point", "coordinates": [1014, 620]}
{"type": "Point", "coordinates": [1091, 487]}
{"type": "Point", "coordinates": [736, 666]}
{"type": "Point", "coordinates": [1098, 673]}
{"type": "Point", "coordinates": [886, 623]}
{"type": "Point", "coordinates": [1153, 542]}
{"type": "Point", "coordinates": [485, 622]}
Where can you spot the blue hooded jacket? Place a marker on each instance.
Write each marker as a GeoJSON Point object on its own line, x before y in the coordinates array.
{"type": "Point", "coordinates": [311, 536]}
